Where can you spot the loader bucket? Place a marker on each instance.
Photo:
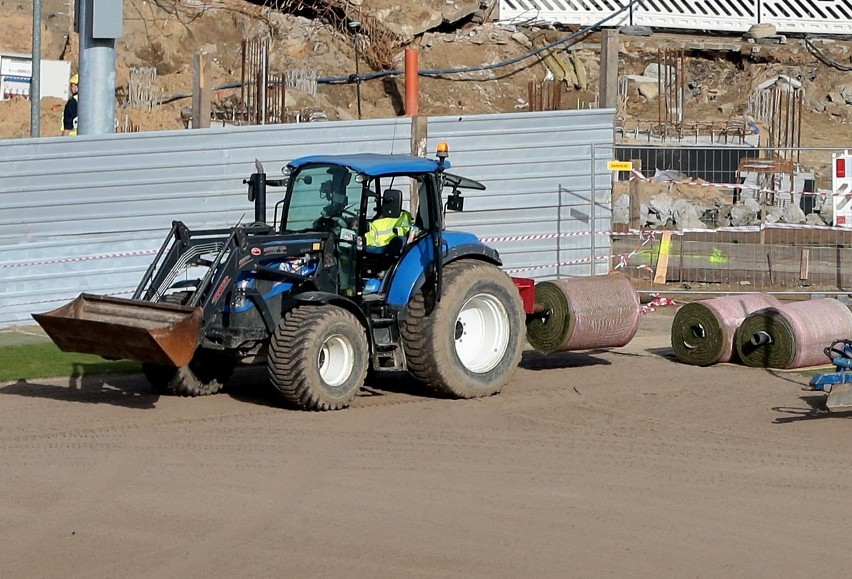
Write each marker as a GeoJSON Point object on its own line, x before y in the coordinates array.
{"type": "Point", "coordinates": [117, 328]}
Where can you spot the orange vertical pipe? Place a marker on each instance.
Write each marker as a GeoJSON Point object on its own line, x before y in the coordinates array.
{"type": "Point", "coordinates": [412, 82]}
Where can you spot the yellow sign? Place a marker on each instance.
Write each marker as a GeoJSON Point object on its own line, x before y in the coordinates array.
{"type": "Point", "coordinates": [619, 166]}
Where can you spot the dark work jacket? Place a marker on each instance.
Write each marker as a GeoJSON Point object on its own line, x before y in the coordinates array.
{"type": "Point", "coordinates": [69, 117]}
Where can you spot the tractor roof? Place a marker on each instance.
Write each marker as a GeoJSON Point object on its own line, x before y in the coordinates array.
{"type": "Point", "coordinates": [373, 164]}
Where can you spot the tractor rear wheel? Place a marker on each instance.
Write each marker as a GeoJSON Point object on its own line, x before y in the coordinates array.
{"type": "Point", "coordinates": [207, 373]}
{"type": "Point", "coordinates": [468, 344]}
{"type": "Point", "coordinates": [318, 357]}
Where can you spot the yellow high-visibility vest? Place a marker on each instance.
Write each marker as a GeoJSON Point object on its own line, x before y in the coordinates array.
{"type": "Point", "coordinates": [383, 230]}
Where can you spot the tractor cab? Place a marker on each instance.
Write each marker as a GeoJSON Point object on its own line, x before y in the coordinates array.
{"type": "Point", "coordinates": [374, 207]}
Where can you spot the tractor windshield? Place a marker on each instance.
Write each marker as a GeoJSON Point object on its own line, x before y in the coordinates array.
{"type": "Point", "coordinates": [321, 191]}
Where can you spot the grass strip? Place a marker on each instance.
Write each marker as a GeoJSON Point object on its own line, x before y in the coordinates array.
{"type": "Point", "coordinates": [30, 361]}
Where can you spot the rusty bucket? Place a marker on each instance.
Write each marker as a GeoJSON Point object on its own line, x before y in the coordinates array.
{"type": "Point", "coordinates": [116, 328]}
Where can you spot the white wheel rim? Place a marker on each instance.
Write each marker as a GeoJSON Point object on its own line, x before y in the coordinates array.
{"type": "Point", "coordinates": [481, 333]}
{"type": "Point", "coordinates": [336, 359]}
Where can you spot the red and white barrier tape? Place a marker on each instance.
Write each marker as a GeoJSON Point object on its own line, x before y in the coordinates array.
{"type": "Point", "coordinates": [563, 263]}
{"type": "Point", "coordinates": [141, 252]}
{"type": "Point", "coordinates": [655, 303]}
{"type": "Point", "coordinates": [145, 252]}
{"type": "Point", "coordinates": [537, 236]}
{"type": "Point", "coordinates": [54, 300]}
{"type": "Point", "coordinates": [646, 239]}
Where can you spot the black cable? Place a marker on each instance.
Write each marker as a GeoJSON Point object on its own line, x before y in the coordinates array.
{"type": "Point", "coordinates": [822, 57]}
{"type": "Point", "coordinates": [579, 33]}
{"type": "Point", "coordinates": [348, 79]}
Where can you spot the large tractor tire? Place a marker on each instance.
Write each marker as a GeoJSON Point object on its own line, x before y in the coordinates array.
{"type": "Point", "coordinates": [318, 357]}
{"type": "Point", "coordinates": [468, 344]}
{"type": "Point", "coordinates": [206, 373]}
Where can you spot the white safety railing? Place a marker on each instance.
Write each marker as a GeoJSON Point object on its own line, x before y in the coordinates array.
{"type": "Point", "coordinates": [796, 16]}
{"type": "Point", "coordinates": [808, 16]}
{"type": "Point", "coordinates": [581, 12]}
{"type": "Point", "coordinates": [716, 15]}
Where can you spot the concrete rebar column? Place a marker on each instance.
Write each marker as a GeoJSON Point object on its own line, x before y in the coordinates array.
{"type": "Point", "coordinates": [99, 24]}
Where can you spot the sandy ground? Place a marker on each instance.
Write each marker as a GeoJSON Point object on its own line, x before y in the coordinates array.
{"type": "Point", "coordinates": [590, 464]}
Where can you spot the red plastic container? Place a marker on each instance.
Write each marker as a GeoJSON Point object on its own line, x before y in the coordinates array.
{"type": "Point", "coordinates": [526, 287]}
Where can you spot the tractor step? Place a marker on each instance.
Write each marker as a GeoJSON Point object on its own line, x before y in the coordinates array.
{"type": "Point", "coordinates": [389, 358]}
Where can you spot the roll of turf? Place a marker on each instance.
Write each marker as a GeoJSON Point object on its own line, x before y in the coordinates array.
{"type": "Point", "coordinates": [703, 332]}
{"type": "Point", "coordinates": [792, 335]}
{"type": "Point", "coordinates": [583, 313]}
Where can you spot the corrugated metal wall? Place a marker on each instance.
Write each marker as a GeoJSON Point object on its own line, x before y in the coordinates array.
{"type": "Point", "coordinates": [87, 214]}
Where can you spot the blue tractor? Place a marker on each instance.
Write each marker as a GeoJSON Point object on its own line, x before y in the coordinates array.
{"type": "Point", "coordinates": [342, 281]}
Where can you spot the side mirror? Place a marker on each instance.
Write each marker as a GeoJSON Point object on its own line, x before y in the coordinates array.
{"type": "Point", "coordinates": [254, 182]}
{"type": "Point", "coordinates": [455, 202]}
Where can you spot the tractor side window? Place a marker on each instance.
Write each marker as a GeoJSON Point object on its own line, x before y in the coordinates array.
{"type": "Point", "coordinates": [415, 197]}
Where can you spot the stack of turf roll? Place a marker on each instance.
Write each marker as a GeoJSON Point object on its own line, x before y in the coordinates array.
{"type": "Point", "coordinates": [703, 332]}
{"type": "Point", "coordinates": [792, 335]}
{"type": "Point", "coordinates": [582, 313]}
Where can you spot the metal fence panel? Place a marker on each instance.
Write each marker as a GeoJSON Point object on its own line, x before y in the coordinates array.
{"type": "Point", "coordinates": [538, 170]}
{"type": "Point", "coordinates": [88, 214]}
{"type": "Point", "coordinates": [757, 230]}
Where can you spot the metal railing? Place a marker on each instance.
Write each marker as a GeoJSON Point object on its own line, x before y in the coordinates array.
{"type": "Point", "coordinates": [796, 16]}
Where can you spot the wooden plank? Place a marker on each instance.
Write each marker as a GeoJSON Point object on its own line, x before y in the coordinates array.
{"type": "Point", "coordinates": [663, 263]}
{"type": "Point", "coordinates": [803, 266]}
{"type": "Point", "coordinates": [201, 92]}
{"type": "Point", "coordinates": [608, 77]}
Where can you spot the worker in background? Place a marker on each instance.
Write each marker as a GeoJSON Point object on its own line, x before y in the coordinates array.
{"type": "Point", "coordinates": [69, 116]}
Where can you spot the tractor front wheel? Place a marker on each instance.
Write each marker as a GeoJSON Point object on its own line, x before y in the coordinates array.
{"type": "Point", "coordinates": [468, 344]}
{"type": "Point", "coordinates": [206, 374]}
{"type": "Point", "coordinates": [318, 357]}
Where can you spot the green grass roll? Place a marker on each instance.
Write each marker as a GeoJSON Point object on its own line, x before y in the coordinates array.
{"type": "Point", "coordinates": [703, 332]}
{"type": "Point", "coordinates": [793, 335]}
{"type": "Point", "coordinates": [583, 313]}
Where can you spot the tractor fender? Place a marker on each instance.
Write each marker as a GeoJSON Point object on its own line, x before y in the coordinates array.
{"type": "Point", "coordinates": [410, 274]}
{"type": "Point", "coordinates": [322, 298]}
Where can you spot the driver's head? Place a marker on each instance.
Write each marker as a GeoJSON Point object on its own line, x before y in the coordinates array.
{"type": "Point", "coordinates": [335, 189]}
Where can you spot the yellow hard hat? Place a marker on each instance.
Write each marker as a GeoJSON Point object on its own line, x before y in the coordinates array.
{"type": "Point", "coordinates": [74, 79]}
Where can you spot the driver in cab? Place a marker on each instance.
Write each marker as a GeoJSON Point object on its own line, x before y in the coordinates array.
{"type": "Point", "coordinates": [334, 191]}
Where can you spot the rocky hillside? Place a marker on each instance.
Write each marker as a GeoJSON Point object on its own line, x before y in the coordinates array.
{"type": "Point", "coordinates": [315, 36]}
